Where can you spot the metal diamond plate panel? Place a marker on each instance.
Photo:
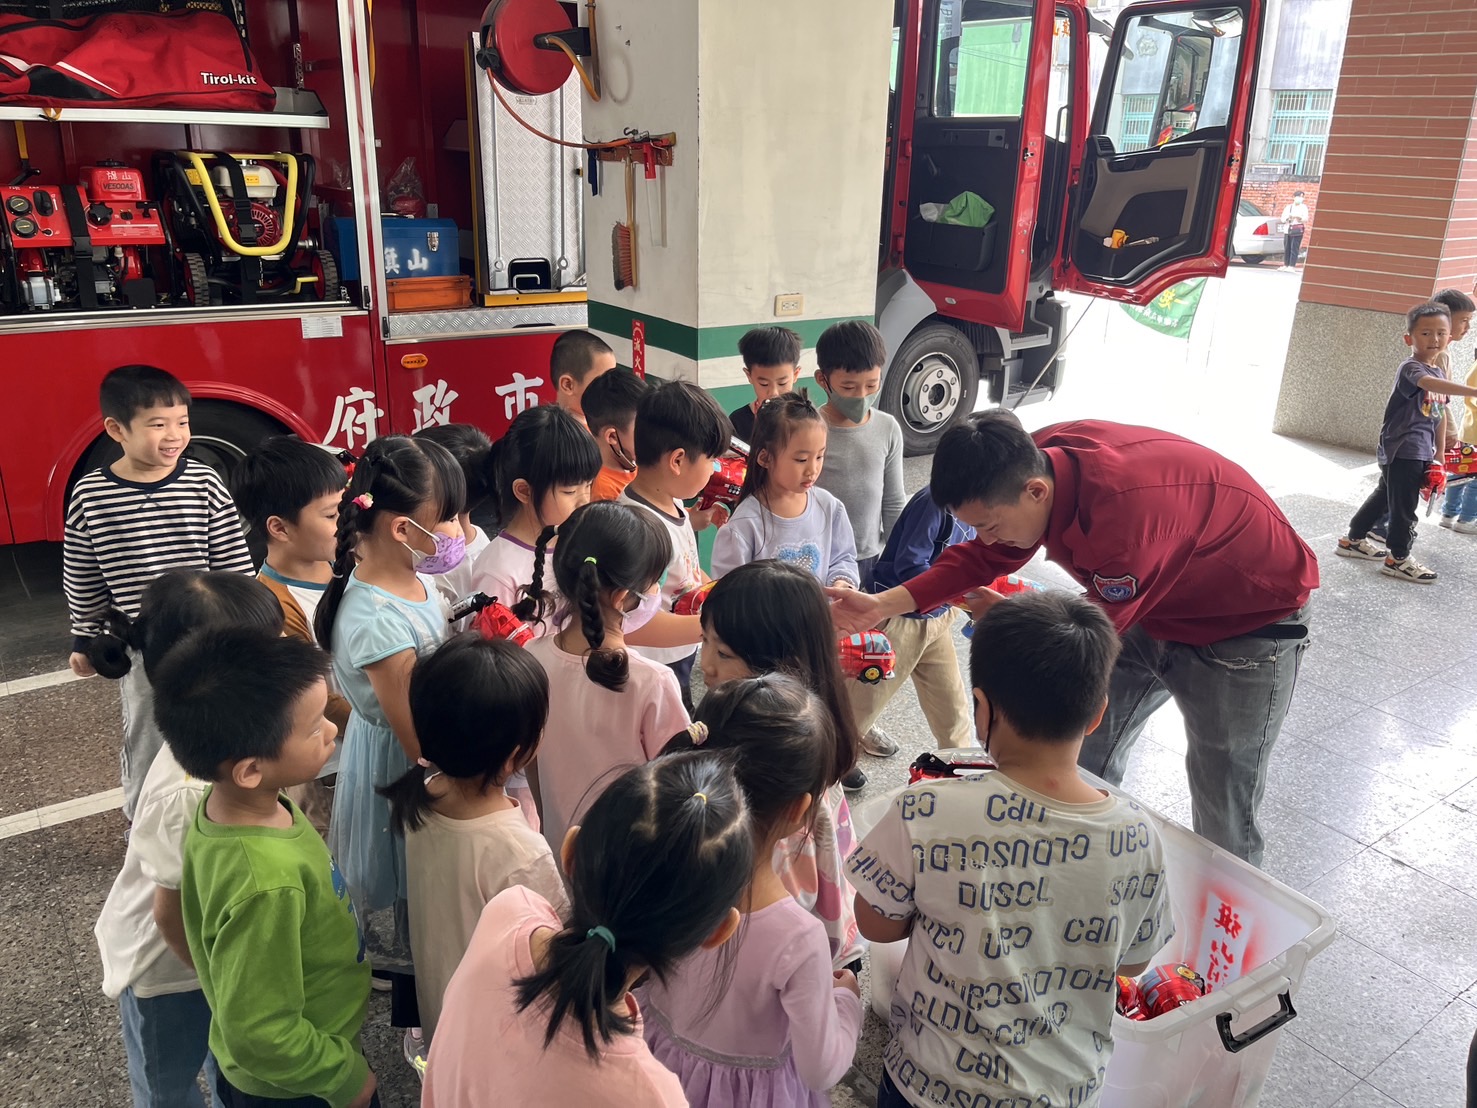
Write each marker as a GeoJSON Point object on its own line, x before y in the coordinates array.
{"type": "Point", "coordinates": [466, 321]}
{"type": "Point", "coordinates": [532, 198]}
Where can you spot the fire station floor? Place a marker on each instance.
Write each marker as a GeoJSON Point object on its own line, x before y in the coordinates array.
{"type": "Point", "coordinates": [1371, 802]}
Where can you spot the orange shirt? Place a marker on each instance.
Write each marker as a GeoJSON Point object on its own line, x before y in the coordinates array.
{"type": "Point", "coordinates": [610, 483]}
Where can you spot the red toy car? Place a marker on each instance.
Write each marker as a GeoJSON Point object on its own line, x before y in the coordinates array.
{"type": "Point", "coordinates": [690, 603]}
{"type": "Point", "coordinates": [493, 620]}
{"type": "Point", "coordinates": [723, 488]}
{"type": "Point", "coordinates": [868, 657]}
{"type": "Point", "coordinates": [1009, 585]}
{"type": "Point", "coordinates": [1166, 988]}
{"type": "Point", "coordinates": [941, 765]}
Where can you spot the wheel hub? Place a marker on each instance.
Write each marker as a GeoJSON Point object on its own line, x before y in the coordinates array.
{"type": "Point", "coordinates": [931, 391]}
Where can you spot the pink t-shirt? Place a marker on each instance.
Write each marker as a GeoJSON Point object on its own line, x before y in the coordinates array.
{"type": "Point", "coordinates": [783, 1033]}
{"type": "Point", "coordinates": [593, 731]}
{"type": "Point", "coordinates": [486, 1050]}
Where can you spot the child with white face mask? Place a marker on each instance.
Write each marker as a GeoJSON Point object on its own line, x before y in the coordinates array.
{"type": "Point", "coordinates": [609, 708]}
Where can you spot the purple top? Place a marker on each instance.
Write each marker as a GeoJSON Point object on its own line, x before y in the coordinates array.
{"type": "Point", "coordinates": [1409, 430]}
{"type": "Point", "coordinates": [783, 1033]}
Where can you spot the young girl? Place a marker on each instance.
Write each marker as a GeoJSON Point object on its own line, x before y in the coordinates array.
{"type": "Point", "coordinates": [786, 1028]}
{"type": "Point", "coordinates": [140, 933]}
{"type": "Point", "coordinates": [608, 706]}
{"type": "Point", "coordinates": [543, 469]}
{"type": "Point", "coordinates": [472, 450]}
{"type": "Point", "coordinates": [478, 707]}
{"type": "Point", "coordinates": [378, 615]}
{"type": "Point", "coordinates": [780, 513]}
{"type": "Point", "coordinates": [541, 1010]}
{"type": "Point", "coordinates": [770, 616]}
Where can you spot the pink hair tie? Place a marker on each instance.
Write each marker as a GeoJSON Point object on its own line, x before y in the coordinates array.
{"type": "Point", "coordinates": [364, 500]}
{"type": "Point", "coordinates": [423, 763]}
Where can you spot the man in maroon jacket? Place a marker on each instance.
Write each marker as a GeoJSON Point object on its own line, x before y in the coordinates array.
{"type": "Point", "coordinates": [1202, 574]}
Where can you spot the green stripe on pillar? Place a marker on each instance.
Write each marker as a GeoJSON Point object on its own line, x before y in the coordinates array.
{"type": "Point", "coordinates": [697, 343]}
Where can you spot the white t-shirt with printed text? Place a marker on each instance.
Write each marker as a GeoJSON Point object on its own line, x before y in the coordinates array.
{"type": "Point", "coordinates": [684, 571]}
{"type": "Point", "coordinates": [1024, 909]}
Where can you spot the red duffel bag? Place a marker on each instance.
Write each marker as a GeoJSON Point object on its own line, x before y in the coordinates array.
{"type": "Point", "coordinates": [183, 59]}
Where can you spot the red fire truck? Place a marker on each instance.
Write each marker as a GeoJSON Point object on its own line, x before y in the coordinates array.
{"type": "Point", "coordinates": [1119, 197]}
{"type": "Point", "coordinates": [991, 98]}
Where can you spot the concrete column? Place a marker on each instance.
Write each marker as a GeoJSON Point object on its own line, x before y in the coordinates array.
{"type": "Point", "coordinates": [776, 189]}
{"type": "Point", "coordinates": [1397, 213]}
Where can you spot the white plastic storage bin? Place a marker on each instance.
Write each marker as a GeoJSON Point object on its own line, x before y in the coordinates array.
{"type": "Point", "coordinates": [1250, 935]}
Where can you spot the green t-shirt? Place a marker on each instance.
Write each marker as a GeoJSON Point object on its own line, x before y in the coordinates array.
{"type": "Point", "coordinates": [278, 948]}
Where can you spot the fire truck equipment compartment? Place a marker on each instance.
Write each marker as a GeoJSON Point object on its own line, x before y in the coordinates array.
{"type": "Point", "coordinates": [412, 248]}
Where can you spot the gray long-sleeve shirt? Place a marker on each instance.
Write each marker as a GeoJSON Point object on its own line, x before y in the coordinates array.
{"type": "Point", "coordinates": [864, 470]}
{"type": "Point", "coordinates": [818, 539]}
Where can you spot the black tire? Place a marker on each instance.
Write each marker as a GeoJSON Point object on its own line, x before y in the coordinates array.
{"type": "Point", "coordinates": [197, 287]}
{"type": "Point", "coordinates": [1253, 259]}
{"type": "Point", "coordinates": [329, 286]}
{"type": "Point", "coordinates": [931, 385]}
{"type": "Point", "coordinates": [220, 434]}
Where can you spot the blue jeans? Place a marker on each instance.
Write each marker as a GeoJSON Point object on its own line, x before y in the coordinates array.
{"type": "Point", "coordinates": [166, 1039]}
{"type": "Point", "coordinates": [1233, 694]}
{"type": "Point", "coordinates": [888, 1095]}
{"type": "Point", "coordinates": [1461, 503]}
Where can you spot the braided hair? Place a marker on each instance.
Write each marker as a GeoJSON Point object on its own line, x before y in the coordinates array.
{"type": "Point", "coordinates": [660, 860]}
{"type": "Point", "coordinates": [535, 602]}
{"type": "Point", "coordinates": [604, 547]}
{"type": "Point", "coordinates": [773, 425]}
{"type": "Point", "coordinates": [397, 476]}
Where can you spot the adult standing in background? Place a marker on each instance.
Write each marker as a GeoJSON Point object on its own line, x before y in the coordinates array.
{"type": "Point", "coordinates": [1295, 218]}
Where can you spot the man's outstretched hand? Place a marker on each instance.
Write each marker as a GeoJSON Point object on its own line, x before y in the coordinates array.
{"type": "Point", "coordinates": [854, 611]}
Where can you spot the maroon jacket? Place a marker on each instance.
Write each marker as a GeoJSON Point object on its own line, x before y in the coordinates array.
{"type": "Point", "coordinates": [1165, 533]}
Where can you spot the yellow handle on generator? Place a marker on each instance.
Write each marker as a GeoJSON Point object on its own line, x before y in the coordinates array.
{"type": "Point", "coordinates": [207, 186]}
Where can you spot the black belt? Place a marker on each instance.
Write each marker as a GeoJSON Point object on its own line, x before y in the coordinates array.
{"type": "Point", "coordinates": [1279, 631]}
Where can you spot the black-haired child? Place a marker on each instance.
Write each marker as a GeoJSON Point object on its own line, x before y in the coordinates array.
{"type": "Point", "coordinates": [785, 1030]}
{"type": "Point", "coordinates": [541, 1007]}
{"type": "Point", "coordinates": [479, 707]}
{"type": "Point", "coordinates": [127, 522]}
{"type": "Point", "coordinates": [140, 932]}
{"type": "Point", "coordinates": [610, 412]}
{"type": "Point", "coordinates": [269, 922]}
{"type": "Point", "coordinates": [771, 617]}
{"type": "Point", "coordinates": [1414, 418]}
{"type": "Point", "coordinates": [288, 491]}
{"type": "Point", "coordinates": [472, 450]}
{"type": "Point", "coordinates": [378, 616]}
{"type": "Point", "coordinates": [680, 433]}
{"type": "Point", "coordinates": [771, 363]}
{"type": "Point", "coordinates": [1040, 664]}
{"type": "Point", "coordinates": [541, 471]}
{"type": "Point", "coordinates": [782, 512]}
{"type": "Point", "coordinates": [609, 707]}
{"type": "Point", "coordinates": [577, 359]}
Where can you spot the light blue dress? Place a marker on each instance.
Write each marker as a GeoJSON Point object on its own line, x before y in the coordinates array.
{"type": "Point", "coordinates": [370, 626]}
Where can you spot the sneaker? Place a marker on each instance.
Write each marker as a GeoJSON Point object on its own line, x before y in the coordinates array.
{"type": "Point", "coordinates": [1449, 522]}
{"type": "Point", "coordinates": [1364, 548]}
{"type": "Point", "coordinates": [380, 982]}
{"type": "Point", "coordinates": [878, 743]}
{"type": "Point", "coordinates": [1379, 535]}
{"type": "Point", "coordinates": [1408, 569]}
{"type": "Point", "coordinates": [854, 781]}
{"type": "Point", "coordinates": [1465, 527]}
{"type": "Point", "coordinates": [416, 1051]}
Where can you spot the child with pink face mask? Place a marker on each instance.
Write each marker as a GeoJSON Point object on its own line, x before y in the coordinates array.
{"type": "Point", "coordinates": [609, 708]}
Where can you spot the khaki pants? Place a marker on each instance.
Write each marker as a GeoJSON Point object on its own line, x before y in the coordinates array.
{"type": "Point", "coordinates": [926, 652]}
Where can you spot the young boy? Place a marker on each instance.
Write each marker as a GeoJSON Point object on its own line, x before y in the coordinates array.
{"type": "Point", "coordinates": [577, 359]}
{"type": "Point", "coordinates": [922, 641]}
{"type": "Point", "coordinates": [864, 453]}
{"type": "Point", "coordinates": [994, 876]}
{"type": "Point", "coordinates": [151, 510]}
{"type": "Point", "coordinates": [610, 413]}
{"type": "Point", "coordinates": [680, 433]}
{"type": "Point", "coordinates": [770, 356]}
{"type": "Point", "coordinates": [267, 915]}
{"type": "Point", "coordinates": [288, 491]}
{"type": "Point", "coordinates": [1408, 437]}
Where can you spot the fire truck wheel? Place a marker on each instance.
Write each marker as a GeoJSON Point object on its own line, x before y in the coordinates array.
{"type": "Point", "coordinates": [931, 385]}
{"type": "Point", "coordinates": [324, 268]}
{"type": "Point", "coordinates": [220, 435]}
{"type": "Point", "coordinates": [872, 674]}
{"type": "Point", "coordinates": [198, 290]}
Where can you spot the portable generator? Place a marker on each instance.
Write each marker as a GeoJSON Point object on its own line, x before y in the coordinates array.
{"type": "Point", "coordinates": [79, 246]}
{"type": "Point", "coordinates": [242, 229]}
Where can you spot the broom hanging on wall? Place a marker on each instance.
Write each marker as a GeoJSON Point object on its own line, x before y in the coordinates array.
{"type": "Point", "coordinates": [623, 235]}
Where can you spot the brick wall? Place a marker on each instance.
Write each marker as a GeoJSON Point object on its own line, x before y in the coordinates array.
{"type": "Point", "coordinates": [1272, 196]}
{"type": "Point", "coordinates": [1397, 181]}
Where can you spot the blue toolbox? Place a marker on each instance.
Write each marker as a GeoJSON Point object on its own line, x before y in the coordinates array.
{"type": "Point", "coordinates": [411, 247]}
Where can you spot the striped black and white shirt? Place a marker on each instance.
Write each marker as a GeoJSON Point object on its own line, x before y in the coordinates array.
{"type": "Point", "coordinates": [120, 535]}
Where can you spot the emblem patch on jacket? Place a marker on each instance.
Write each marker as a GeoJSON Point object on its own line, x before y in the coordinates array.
{"type": "Point", "coordinates": [1116, 590]}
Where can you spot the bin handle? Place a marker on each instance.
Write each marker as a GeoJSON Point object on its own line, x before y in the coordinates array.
{"type": "Point", "coordinates": [1237, 1043]}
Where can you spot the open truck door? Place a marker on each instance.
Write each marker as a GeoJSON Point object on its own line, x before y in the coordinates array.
{"type": "Point", "coordinates": [1155, 201]}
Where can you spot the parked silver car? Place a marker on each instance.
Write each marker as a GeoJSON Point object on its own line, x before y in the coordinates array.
{"type": "Point", "coordinates": [1257, 236]}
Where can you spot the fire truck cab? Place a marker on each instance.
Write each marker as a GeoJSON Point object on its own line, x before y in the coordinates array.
{"type": "Point", "coordinates": [1118, 197]}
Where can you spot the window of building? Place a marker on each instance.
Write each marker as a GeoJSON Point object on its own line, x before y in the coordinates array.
{"type": "Point", "coordinates": [1298, 137]}
{"type": "Point", "coordinates": [1136, 123]}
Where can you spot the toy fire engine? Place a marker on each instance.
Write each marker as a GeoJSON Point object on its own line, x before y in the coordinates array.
{"type": "Point", "coordinates": [690, 603]}
{"type": "Point", "coordinates": [940, 765]}
{"type": "Point", "coordinates": [492, 619]}
{"type": "Point", "coordinates": [78, 246]}
{"type": "Point", "coordinates": [723, 488]}
{"type": "Point", "coordinates": [868, 657]}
